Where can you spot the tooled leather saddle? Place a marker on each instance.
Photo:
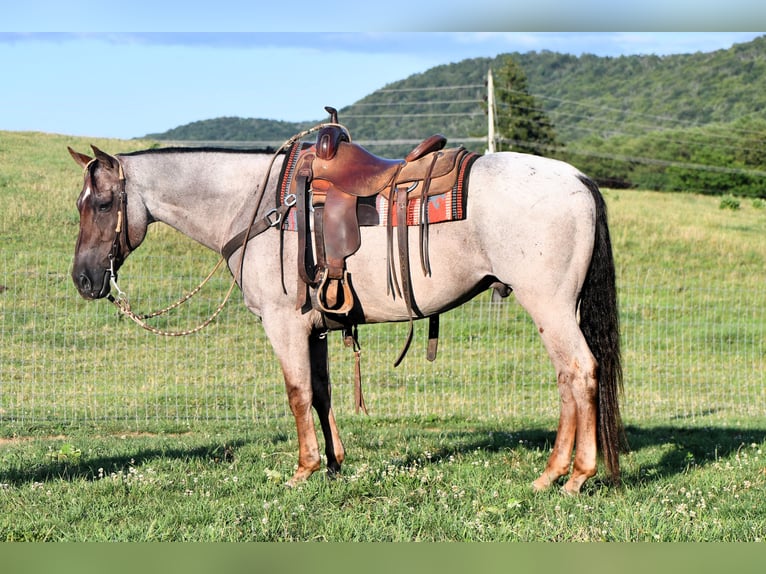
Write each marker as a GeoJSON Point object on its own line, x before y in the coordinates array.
{"type": "Point", "coordinates": [335, 187]}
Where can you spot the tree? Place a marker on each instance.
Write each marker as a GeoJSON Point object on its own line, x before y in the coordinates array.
{"type": "Point", "coordinates": [522, 124]}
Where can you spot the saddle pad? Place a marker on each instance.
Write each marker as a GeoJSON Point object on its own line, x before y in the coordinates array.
{"type": "Point", "coordinates": [449, 206]}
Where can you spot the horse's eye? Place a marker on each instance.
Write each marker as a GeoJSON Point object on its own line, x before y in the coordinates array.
{"type": "Point", "coordinates": [104, 207]}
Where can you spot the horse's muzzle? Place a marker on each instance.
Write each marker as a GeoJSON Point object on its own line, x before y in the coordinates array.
{"type": "Point", "coordinates": [89, 288]}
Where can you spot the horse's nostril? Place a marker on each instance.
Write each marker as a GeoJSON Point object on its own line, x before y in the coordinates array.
{"type": "Point", "coordinates": [86, 285]}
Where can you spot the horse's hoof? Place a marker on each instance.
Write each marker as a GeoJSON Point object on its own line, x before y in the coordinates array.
{"type": "Point", "coordinates": [295, 482]}
{"type": "Point", "coordinates": [572, 487]}
{"type": "Point", "coordinates": [570, 491]}
{"type": "Point", "coordinates": [545, 480]}
{"type": "Point", "coordinates": [298, 478]}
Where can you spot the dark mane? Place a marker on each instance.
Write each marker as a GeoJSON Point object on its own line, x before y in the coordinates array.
{"type": "Point", "coordinates": [204, 149]}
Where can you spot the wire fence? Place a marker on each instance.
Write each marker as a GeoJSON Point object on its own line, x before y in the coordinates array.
{"type": "Point", "coordinates": [689, 352]}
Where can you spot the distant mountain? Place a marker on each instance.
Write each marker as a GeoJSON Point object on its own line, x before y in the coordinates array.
{"type": "Point", "coordinates": [600, 106]}
{"type": "Point", "coordinates": [581, 93]}
{"type": "Point", "coordinates": [233, 129]}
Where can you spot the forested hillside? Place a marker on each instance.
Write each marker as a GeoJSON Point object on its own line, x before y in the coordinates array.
{"type": "Point", "coordinates": [233, 129]}
{"type": "Point", "coordinates": [691, 122]}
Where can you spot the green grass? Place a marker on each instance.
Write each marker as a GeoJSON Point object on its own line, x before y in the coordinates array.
{"type": "Point", "coordinates": [112, 433]}
{"type": "Point", "coordinates": [424, 479]}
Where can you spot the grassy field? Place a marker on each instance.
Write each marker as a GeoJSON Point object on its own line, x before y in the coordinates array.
{"type": "Point", "coordinates": [111, 433]}
{"type": "Point", "coordinates": [407, 479]}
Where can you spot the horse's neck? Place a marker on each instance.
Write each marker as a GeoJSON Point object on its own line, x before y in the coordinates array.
{"type": "Point", "coordinates": [204, 195]}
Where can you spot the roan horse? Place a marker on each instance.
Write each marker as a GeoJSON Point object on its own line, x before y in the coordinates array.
{"type": "Point", "coordinates": [536, 226]}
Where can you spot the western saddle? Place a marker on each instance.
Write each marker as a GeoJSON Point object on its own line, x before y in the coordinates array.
{"type": "Point", "coordinates": [342, 183]}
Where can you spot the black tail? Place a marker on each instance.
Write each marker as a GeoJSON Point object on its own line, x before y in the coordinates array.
{"type": "Point", "coordinates": [600, 324]}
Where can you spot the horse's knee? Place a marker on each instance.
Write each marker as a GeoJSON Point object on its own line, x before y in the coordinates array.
{"type": "Point", "coordinates": [580, 375]}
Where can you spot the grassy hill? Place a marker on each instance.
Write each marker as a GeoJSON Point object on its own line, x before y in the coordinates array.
{"type": "Point", "coordinates": [233, 129]}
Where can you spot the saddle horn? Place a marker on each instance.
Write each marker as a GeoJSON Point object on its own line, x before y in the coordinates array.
{"type": "Point", "coordinates": [331, 136]}
{"type": "Point", "coordinates": [333, 114]}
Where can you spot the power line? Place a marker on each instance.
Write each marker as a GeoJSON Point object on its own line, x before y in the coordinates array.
{"type": "Point", "coordinates": [416, 115]}
{"type": "Point", "coordinates": [430, 88]}
{"type": "Point", "coordinates": [416, 103]}
{"type": "Point", "coordinates": [628, 112]}
{"type": "Point", "coordinates": [594, 114]}
{"type": "Point", "coordinates": [645, 129]}
{"type": "Point", "coordinates": [656, 126]}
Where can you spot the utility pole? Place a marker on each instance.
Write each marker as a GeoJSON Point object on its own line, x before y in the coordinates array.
{"type": "Point", "coordinates": [490, 112]}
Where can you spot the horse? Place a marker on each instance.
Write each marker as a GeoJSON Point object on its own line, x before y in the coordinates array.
{"type": "Point", "coordinates": [533, 225]}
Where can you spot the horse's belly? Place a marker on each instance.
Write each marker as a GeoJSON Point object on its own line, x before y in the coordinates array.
{"type": "Point", "coordinates": [458, 269]}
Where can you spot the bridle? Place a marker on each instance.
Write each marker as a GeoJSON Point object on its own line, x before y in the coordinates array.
{"type": "Point", "coordinates": [121, 247]}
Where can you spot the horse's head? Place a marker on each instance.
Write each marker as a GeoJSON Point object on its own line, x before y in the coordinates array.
{"type": "Point", "coordinates": [108, 231]}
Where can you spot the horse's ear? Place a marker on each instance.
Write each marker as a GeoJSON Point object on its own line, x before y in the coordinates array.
{"type": "Point", "coordinates": [105, 158]}
{"type": "Point", "coordinates": [81, 159]}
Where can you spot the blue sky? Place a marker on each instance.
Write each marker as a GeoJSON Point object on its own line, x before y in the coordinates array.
{"type": "Point", "coordinates": [124, 84]}
{"type": "Point", "coordinates": [381, 16]}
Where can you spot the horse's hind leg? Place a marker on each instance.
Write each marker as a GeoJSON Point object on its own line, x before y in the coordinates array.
{"type": "Point", "coordinates": [322, 402]}
{"type": "Point", "coordinates": [576, 375]}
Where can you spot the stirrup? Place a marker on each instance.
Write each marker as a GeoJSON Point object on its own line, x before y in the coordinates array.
{"type": "Point", "coordinates": [328, 291]}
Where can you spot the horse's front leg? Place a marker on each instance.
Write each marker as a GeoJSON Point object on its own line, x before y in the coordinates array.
{"type": "Point", "coordinates": [290, 340]}
{"type": "Point", "coordinates": [300, 397]}
{"type": "Point", "coordinates": [322, 401]}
